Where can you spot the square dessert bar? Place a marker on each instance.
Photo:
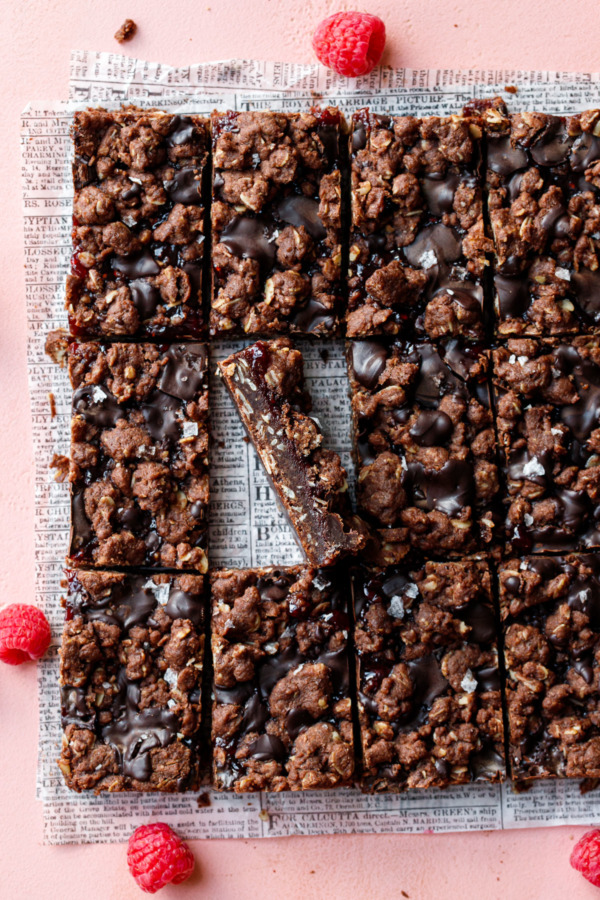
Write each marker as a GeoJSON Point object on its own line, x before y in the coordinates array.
{"type": "Point", "coordinates": [131, 664]}
{"type": "Point", "coordinates": [138, 224]}
{"type": "Point", "coordinates": [543, 180]}
{"type": "Point", "coordinates": [550, 608]}
{"type": "Point", "coordinates": [429, 702]}
{"type": "Point", "coordinates": [424, 436]}
{"type": "Point", "coordinates": [281, 716]}
{"type": "Point", "coordinates": [418, 248]}
{"type": "Point", "coordinates": [548, 420]}
{"type": "Point", "coordinates": [276, 222]}
{"type": "Point", "coordinates": [266, 382]}
{"type": "Point", "coordinates": [139, 454]}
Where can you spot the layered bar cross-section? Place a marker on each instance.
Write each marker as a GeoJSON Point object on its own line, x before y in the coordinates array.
{"type": "Point", "coordinates": [138, 224]}
{"type": "Point", "coordinates": [131, 668]}
{"type": "Point", "coordinates": [139, 454]}
{"type": "Point", "coordinates": [281, 715]}
{"type": "Point", "coordinates": [266, 382]}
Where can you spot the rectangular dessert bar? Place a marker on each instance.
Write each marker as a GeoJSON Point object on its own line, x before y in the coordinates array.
{"type": "Point", "coordinates": [550, 608]}
{"type": "Point", "coordinates": [427, 472]}
{"type": "Point", "coordinates": [139, 454]}
{"type": "Point", "coordinates": [131, 664]}
{"type": "Point", "coordinates": [266, 382]}
{"type": "Point", "coordinates": [543, 180]}
{"type": "Point", "coordinates": [429, 702]}
{"type": "Point", "coordinates": [281, 716]}
{"type": "Point", "coordinates": [418, 248]}
{"type": "Point", "coordinates": [276, 222]}
{"type": "Point", "coordinates": [138, 224]}
{"type": "Point", "coordinates": [548, 420]}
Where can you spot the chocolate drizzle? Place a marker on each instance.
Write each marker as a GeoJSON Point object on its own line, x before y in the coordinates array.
{"type": "Point", "coordinates": [112, 609]}
{"type": "Point", "coordinates": [135, 733]}
{"type": "Point", "coordinates": [309, 602]}
{"type": "Point", "coordinates": [529, 300]}
{"type": "Point", "coordinates": [571, 402]}
{"type": "Point", "coordinates": [410, 640]}
{"type": "Point", "coordinates": [172, 378]}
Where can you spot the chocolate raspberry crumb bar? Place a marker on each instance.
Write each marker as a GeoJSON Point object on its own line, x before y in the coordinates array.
{"type": "Point", "coordinates": [429, 701]}
{"type": "Point", "coordinates": [427, 473]}
{"type": "Point", "coordinates": [281, 715]}
{"type": "Point", "coordinates": [550, 607]}
{"type": "Point", "coordinates": [138, 224]}
{"type": "Point", "coordinates": [139, 454]}
{"type": "Point", "coordinates": [131, 665]}
{"type": "Point", "coordinates": [544, 205]}
{"type": "Point", "coordinates": [548, 420]}
{"type": "Point", "coordinates": [266, 382]}
{"type": "Point", "coordinates": [276, 222]}
{"type": "Point", "coordinates": [418, 248]}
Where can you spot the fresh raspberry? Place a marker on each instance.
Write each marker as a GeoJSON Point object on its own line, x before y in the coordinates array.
{"type": "Point", "coordinates": [24, 633]}
{"type": "Point", "coordinates": [586, 856]}
{"type": "Point", "coordinates": [350, 43]}
{"type": "Point", "coordinates": [156, 857]}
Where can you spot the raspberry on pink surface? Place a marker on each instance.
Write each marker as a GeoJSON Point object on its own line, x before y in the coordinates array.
{"type": "Point", "coordinates": [350, 43]}
{"type": "Point", "coordinates": [156, 856]}
{"type": "Point", "coordinates": [24, 633]}
{"type": "Point", "coordinates": [585, 856]}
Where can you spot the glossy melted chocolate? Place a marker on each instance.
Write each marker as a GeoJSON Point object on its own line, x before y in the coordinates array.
{"type": "Point", "coordinates": [550, 607]}
{"type": "Point", "coordinates": [135, 731]}
{"type": "Point", "coordinates": [419, 651]}
{"type": "Point", "coordinates": [302, 620]}
{"type": "Point", "coordinates": [163, 416]}
{"type": "Point", "coordinates": [169, 308]}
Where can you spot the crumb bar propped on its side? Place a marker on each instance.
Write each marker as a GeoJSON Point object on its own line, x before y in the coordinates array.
{"type": "Point", "coordinates": [266, 382]}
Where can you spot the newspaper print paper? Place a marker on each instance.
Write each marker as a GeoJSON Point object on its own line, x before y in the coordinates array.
{"type": "Point", "coordinates": [247, 527]}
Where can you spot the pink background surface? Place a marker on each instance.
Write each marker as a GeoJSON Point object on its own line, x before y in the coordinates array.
{"type": "Point", "coordinates": [36, 37]}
